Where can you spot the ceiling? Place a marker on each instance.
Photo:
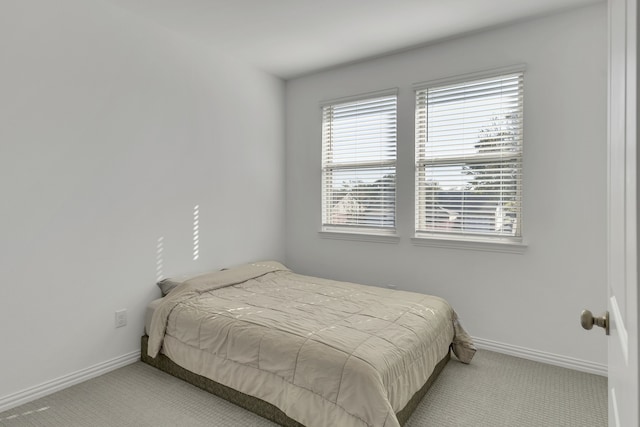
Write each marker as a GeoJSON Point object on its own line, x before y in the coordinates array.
{"type": "Point", "coordinates": [289, 38]}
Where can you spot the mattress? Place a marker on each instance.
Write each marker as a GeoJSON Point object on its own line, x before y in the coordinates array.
{"type": "Point", "coordinates": [323, 352]}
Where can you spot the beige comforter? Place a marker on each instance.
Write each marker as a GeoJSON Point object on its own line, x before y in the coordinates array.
{"type": "Point", "coordinates": [326, 353]}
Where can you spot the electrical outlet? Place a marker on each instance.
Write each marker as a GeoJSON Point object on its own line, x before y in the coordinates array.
{"type": "Point", "coordinates": [121, 318]}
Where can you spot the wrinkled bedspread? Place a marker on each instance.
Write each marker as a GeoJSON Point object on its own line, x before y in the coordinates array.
{"type": "Point", "coordinates": [326, 353]}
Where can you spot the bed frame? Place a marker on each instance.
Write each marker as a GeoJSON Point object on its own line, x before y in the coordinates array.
{"type": "Point", "coordinates": [259, 406]}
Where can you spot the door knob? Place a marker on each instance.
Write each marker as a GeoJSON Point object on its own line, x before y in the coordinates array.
{"type": "Point", "coordinates": [587, 320]}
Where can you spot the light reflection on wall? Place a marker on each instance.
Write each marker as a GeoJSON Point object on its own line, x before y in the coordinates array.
{"type": "Point", "coordinates": [196, 232]}
{"type": "Point", "coordinates": [159, 259]}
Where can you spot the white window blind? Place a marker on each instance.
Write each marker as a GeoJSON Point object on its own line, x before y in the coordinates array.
{"type": "Point", "coordinates": [469, 158]}
{"type": "Point", "coordinates": [359, 164]}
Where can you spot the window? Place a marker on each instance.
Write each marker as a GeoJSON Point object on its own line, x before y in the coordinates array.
{"type": "Point", "coordinates": [359, 164]}
{"type": "Point", "coordinates": [469, 158]}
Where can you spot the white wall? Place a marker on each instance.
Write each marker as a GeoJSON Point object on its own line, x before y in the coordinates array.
{"type": "Point", "coordinates": [112, 129]}
{"type": "Point", "coordinates": [529, 301]}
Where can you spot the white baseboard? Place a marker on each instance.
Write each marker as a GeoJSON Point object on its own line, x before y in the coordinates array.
{"type": "Point", "coordinates": [541, 356]}
{"type": "Point", "coordinates": [46, 388]}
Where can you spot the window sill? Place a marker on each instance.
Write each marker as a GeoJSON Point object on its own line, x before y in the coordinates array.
{"type": "Point", "coordinates": [361, 237]}
{"type": "Point", "coordinates": [479, 244]}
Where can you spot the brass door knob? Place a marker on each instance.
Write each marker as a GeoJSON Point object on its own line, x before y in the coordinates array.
{"type": "Point", "coordinates": [587, 320]}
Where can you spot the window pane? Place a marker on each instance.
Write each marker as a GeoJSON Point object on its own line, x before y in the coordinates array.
{"type": "Point", "coordinates": [362, 197]}
{"type": "Point", "coordinates": [470, 198]}
{"type": "Point", "coordinates": [361, 132]}
{"type": "Point", "coordinates": [461, 119]}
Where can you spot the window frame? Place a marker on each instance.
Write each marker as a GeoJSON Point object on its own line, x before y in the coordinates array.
{"type": "Point", "coordinates": [462, 240]}
{"type": "Point", "coordinates": [383, 234]}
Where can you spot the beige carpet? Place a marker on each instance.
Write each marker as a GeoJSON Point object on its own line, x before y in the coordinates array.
{"type": "Point", "coordinates": [494, 390]}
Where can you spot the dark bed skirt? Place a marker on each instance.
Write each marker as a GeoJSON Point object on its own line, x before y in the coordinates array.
{"type": "Point", "coordinates": [259, 406]}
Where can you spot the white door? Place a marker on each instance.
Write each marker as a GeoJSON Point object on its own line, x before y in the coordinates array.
{"type": "Point", "coordinates": [622, 219]}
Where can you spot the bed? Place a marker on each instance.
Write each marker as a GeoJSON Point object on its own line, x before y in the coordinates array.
{"type": "Point", "coordinates": [301, 350]}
